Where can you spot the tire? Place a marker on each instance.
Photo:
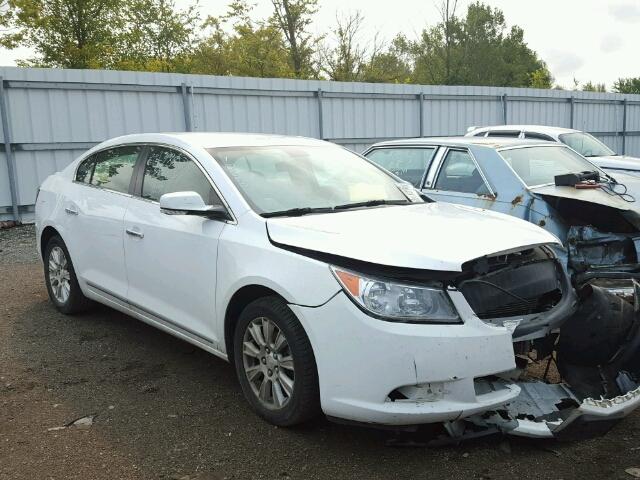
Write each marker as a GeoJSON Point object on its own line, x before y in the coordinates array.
{"type": "Point", "coordinates": [276, 362]}
{"type": "Point", "coordinates": [60, 278]}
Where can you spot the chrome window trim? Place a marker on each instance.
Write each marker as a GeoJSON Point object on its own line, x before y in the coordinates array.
{"type": "Point", "coordinates": [233, 221]}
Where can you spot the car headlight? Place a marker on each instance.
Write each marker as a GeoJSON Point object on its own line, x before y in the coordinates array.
{"type": "Point", "coordinates": [397, 301]}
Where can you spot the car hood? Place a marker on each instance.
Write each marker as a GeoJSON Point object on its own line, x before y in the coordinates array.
{"type": "Point", "coordinates": [429, 236]}
{"type": "Point", "coordinates": [595, 195]}
{"type": "Point", "coordinates": [617, 162]}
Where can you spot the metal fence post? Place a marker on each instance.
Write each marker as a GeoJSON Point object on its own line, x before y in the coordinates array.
{"type": "Point", "coordinates": [421, 112]}
{"type": "Point", "coordinates": [572, 111]}
{"type": "Point", "coordinates": [320, 115]}
{"type": "Point", "coordinates": [624, 126]}
{"type": "Point", "coordinates": [8, 150]}
{"type": "Point", "coordinates": [186, 106]}
{"type": "Point", "coordinates": [505, 117]}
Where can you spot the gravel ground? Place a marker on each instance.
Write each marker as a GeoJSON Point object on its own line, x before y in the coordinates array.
{"type": "Point", "coordinates": [163, 409]}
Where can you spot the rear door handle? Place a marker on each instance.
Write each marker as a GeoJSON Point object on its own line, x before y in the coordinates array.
{"type": "Point", "coordinates": [71, 210]}
{"type": "Point", "coordinates": [134, 233]}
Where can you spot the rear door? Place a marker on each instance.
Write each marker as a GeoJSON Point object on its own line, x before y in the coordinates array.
{"type": "Point", "coordinates": [408, 163]}
{"type": "Point", "coordinates": [94, 211]}
{"type": "Point", "coordinates": [171, 259]}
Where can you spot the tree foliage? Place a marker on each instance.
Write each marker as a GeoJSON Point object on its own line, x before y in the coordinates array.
{"type": "Point", "coordinates": [478, 49]}
{"type": "Point", "coordinates": [475, 48]}
{"type": "Point", "coordinates": [293, 18]}
{"type": "Point", "coordinates": [68, 33]}
{"type": "Point", "coordinates": [250, 48]}
{"type": "Point", "coordinates": [627, 85]}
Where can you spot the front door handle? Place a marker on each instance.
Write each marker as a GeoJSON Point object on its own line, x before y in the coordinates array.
{"type": "Point", "coordinates": [134, 233]}
{"type": "Point", "coordinates": [71, 210]}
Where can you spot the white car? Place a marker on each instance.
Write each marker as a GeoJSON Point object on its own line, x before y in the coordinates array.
{"type": "Point", "coordinates": [327, 283]}
{"type": "Point", "coordinates": [585, 144]}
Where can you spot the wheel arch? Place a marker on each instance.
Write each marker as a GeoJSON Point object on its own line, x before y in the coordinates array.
{"type": "Point", "coordinates": [239, 300]}
{"type": "Point", "coordinates": [47, 234]}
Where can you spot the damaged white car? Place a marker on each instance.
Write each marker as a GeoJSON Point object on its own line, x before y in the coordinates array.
{"type": "Point", "coordinates": [329, 285]}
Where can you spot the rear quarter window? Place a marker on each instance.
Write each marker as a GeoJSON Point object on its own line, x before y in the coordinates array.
{"type": "Point", "coordinates": [407, 163]}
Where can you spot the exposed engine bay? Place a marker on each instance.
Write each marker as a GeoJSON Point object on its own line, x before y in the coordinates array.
{"type": "Point", "coordinates": [578, 373]}
{"type": "Point", "coordinates": [602, 243]}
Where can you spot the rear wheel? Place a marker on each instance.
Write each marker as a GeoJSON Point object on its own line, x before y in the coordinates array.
{"type": "Point", "coordinates": [61, 280]}
{"type": "Point", "coordinates": [275, 363]}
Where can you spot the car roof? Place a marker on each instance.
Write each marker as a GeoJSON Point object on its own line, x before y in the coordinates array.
{"type": "Point", "coordinates": [216, 139]}
{"type": "Point", "coordinates": [490, 142]}
{"type": "Point", "coordinates": [531, 128]}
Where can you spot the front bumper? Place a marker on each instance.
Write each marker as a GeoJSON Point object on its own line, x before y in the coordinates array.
{"type": "Point", "coordinates": [362, 360]}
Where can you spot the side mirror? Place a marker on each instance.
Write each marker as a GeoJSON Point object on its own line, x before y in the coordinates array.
{"type": "Point", "coordinates": [191, 203]}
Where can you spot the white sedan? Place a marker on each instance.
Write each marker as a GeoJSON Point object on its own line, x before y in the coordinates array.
{"type": "Point", "coordinates": [330, 285]}
{"type": "Point", "coordinates": [585, 144]}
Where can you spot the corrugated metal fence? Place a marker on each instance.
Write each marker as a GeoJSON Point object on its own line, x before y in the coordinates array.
{"type": "Point", "coordinates": [50, 116]}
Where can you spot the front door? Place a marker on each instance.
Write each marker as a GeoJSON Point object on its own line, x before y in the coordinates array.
{"type": "Point", "coordinates": [457, 178]}
{"type": "Point", "coordinates": [171, 259]}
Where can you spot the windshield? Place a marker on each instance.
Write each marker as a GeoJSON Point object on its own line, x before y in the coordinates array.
{"type": "Point", "coordinates": [586, 145]}
{"type": "Point", "coordinates": [282, 178]}
{"type": "Point", "coordinates": [539, 165]}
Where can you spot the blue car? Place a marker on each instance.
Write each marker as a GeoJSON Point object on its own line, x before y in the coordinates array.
{"type": "Point", "coordinates": [597, 221]}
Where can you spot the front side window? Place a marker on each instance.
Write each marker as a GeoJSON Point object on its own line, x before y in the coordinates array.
{"type": "Point", "coordinates": [407, 163]}
{"type": "Point", "coordinates": [279, 178]}
{"type": "Point", "coordinates": [114, 167]}
{"type": "Point", "coordinates": [586, 145]}
{"type": "Point", "coordinates": [169, 171]}
{"type": "Point", "coordinates": [459, 173]}
{"type": "Point", "coordinates": [539, 165]}
{"type": "Point", "coordinates": [538, 136]}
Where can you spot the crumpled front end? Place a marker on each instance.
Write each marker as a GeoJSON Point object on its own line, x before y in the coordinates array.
{"type": "Point", "coordinates": [528, 291]}
{"type": "Point", "coordinates": [577, 381]}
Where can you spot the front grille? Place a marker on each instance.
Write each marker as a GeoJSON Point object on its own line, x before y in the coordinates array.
{"type": "Point", "coordinates": [523, 285]}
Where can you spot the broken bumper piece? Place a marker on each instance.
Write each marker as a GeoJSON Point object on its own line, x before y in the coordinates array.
{"type": "Point", "coordinates": [545, 410]}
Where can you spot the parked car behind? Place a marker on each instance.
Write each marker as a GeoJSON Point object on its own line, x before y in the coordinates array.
{"type": "Point", "coordinates": [329, 285]}
{"type": "Point", "coordinates": [600, 227]}
{"type": "Point", "coordinates": [584, 143]}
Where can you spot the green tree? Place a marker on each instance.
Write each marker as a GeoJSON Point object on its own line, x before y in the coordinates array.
{"type": "Point", "coordinates": [541, 78]}
{"type": "Point", "coordinates": [67, 33]}
{"type": "Point", "coordinates": [478, 49]}
{"type": "Point", "coordinates": [293, 18]}
{"type": "Point", "coordinates": [254, 49]}
{"type": "Point", "coordinates": [627, 85]}
{"type": "Point", "coordinates": [389, 65]}
{"type": "Point", "coordinates": [594, 87]}
{"type": "Point", "coordinates": [157, 36]}
{"type": "Point", "coordinates": [345, 61]}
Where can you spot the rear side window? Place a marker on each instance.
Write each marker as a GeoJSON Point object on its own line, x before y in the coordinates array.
{"type": "Point", "coordinates": [169, 171]}
{"type": "Point", "coordinates": [85, 170]}
{"type": "Point", "coordinates": [407, 163]}
{"type": "Point", "coordinates": [504, 133]}
{"type": "Point", "coordinates": [460, 174]}
{"type": "Point", "coordinates": [113, 168]}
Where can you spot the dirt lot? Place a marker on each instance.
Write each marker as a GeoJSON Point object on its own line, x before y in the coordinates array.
{"type": "Point", "coordinates": [165, 410]}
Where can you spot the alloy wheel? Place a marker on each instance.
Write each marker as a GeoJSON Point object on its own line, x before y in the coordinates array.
{"type": "Point", "coordinates": [59, 277]}
{"type": "Point", "coordinates": [268, 363]}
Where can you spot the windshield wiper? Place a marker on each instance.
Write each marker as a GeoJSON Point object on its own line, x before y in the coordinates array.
{"type": "Point", "coordinates": [297, 212]}
{"type": "Point", "coordinates": [371, 203]}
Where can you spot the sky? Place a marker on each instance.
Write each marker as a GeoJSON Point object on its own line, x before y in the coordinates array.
{"type": "Point", "coordinates": [589, 40]}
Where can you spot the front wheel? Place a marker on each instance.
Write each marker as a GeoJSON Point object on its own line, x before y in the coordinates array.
{"type": "Point", "coordinates": [275, 363]}
{"type": "Point", "coordinates": [60, 277]}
